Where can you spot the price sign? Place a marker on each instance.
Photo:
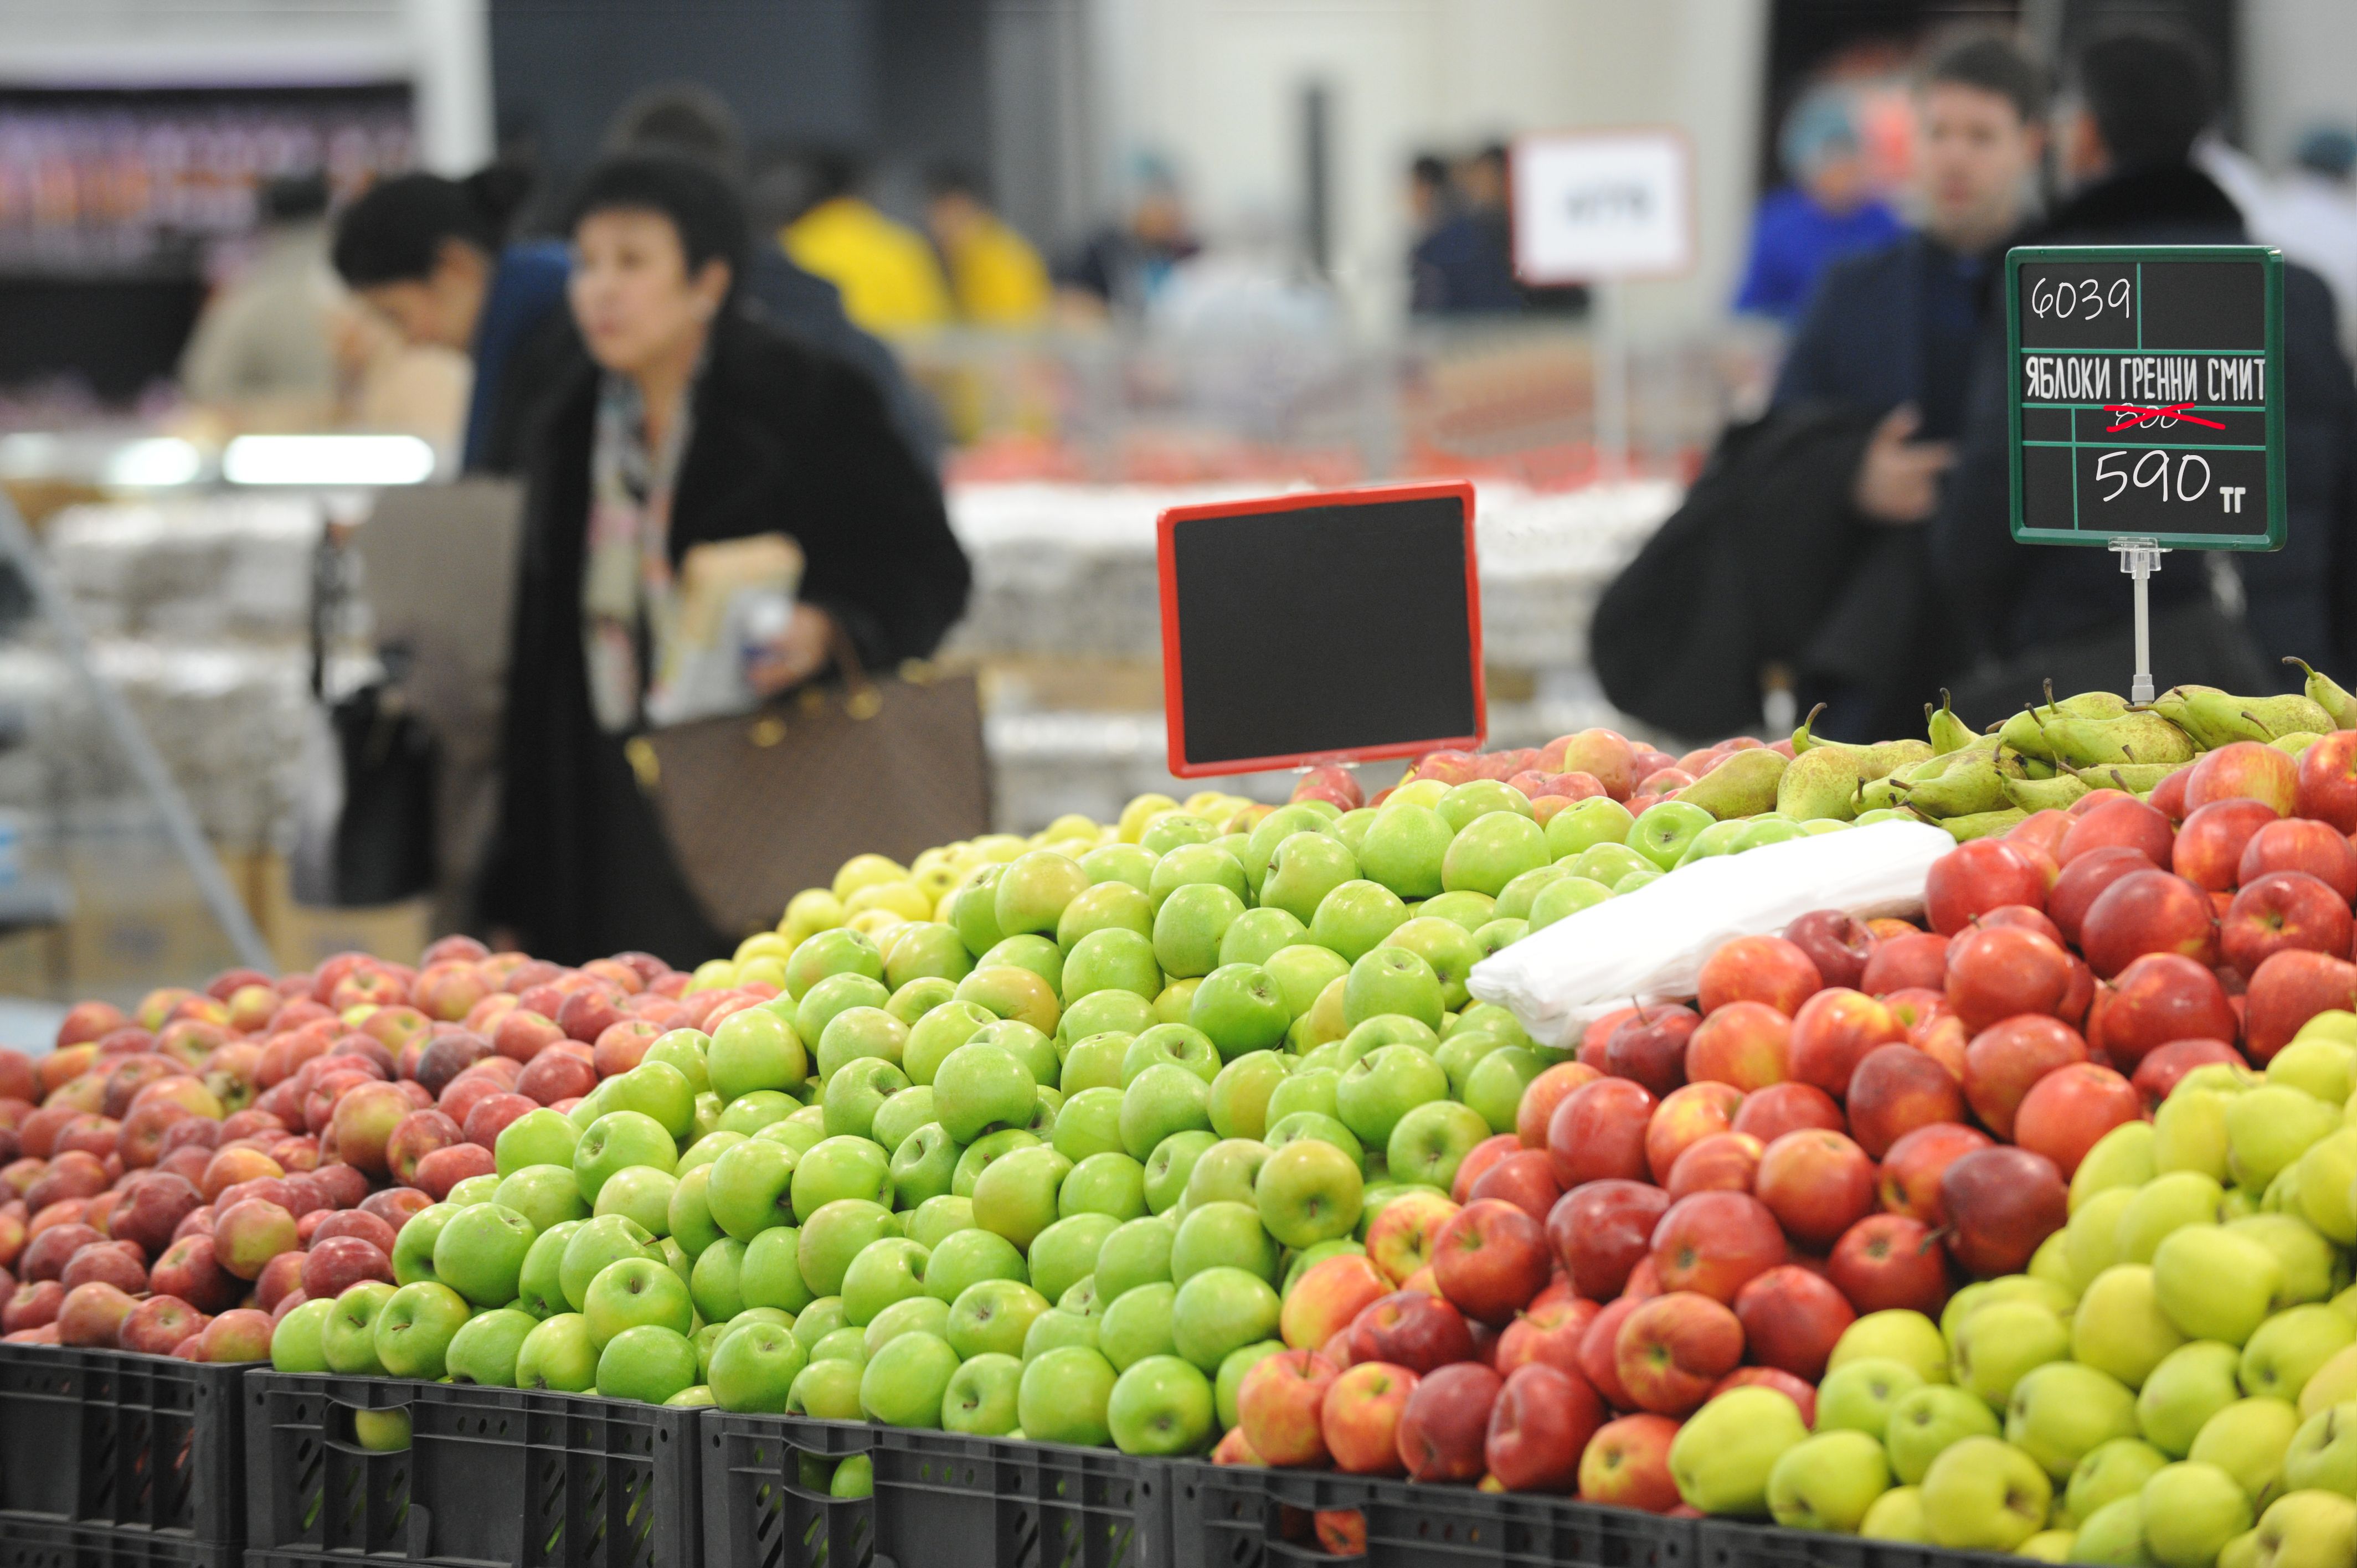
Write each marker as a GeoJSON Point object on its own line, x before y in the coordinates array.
{"type": "Point", "coordinates": [2147, 395]}
{"type": "Point", "coordinates": [1601, 204]}
{"type": "Point", "coordinates": [1324, 627]}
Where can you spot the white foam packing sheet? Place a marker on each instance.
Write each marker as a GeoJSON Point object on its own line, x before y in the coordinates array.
{"type": "Point", "coordinates": [1649, 946]}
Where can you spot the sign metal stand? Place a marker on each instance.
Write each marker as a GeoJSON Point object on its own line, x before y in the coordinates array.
{"type": "Point", "coordinates": [2140, 558]}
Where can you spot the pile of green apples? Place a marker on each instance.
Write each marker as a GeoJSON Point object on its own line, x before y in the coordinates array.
{"type": "Point", "coordinates": [1042, 1165]}
{"type": "Point", "coordinates": [2172, 1381]}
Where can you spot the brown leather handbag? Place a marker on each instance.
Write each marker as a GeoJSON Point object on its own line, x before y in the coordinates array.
{"type": "Point", "coordinates": [762, 805]}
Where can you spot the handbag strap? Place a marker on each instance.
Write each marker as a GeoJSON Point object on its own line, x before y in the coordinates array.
{"type": "Point", "coordinates": [860, 700]}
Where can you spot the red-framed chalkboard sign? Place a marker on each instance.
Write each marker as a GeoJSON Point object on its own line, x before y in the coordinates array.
{"type": "Point", "coordinates": [1332, 625]}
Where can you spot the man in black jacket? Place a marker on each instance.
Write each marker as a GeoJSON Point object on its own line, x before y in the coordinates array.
{"type": "Point", "coordinates": [2136, 103]}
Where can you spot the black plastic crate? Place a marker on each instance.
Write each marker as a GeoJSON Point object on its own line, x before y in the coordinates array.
{"type": "Point", "coordinates": [766, 1503]}
{"type": "Point", "coordinates": [941, 1501]}
{"type": "Point", "coordinates": [143, 1444]}
{"type": "Point", "coordinates": [1243, 1517]}
{"type": "Point", "coordinates": [492, 1475]}
{"type": "Point", "coordinates": [24, 1544]}
{"type": "Point", "coordinates": [1724, 1544]}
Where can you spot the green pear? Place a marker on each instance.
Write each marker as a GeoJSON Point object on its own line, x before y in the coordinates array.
{"type": "Point", "coordinates": [1743, 785]}
{"type": "Point", "coordinates": [1821, 782]}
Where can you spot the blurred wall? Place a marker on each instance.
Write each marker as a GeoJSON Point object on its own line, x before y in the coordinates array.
{"type": "Point", "coordinates": [1216, 87]}
{"type": "Point", "coordinates": [2295, 69]}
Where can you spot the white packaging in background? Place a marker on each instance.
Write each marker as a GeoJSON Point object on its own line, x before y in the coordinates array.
{"type": "Point", "coordinates": [1649, 946]}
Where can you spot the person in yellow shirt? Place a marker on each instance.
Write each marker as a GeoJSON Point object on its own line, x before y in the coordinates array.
{"type": "Point", "coordinates": [996, 277]}
{"type": "Point", "coordinates": [889, 280]}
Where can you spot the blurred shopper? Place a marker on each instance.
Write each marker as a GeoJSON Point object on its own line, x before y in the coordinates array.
{"type": "Point", "coordinates": [2135, 103]}
{"type": "Point", "coordinates": [2312, 214]}
{"type": "Point", "coordinates": [264, 350]}
{"type": "Point", "coordinates": [431, 256]}
{"type": "Point", "coordinates": [889, 281]}
{"type": "Point", "coordinates": [692, 121]}
{"type": "Point", "coordinates": [1460, 265]}
{"type": "Point", "coordinates": [1890, 333]}
{"type": "Point", "coordinates": [1830, 210]}
{"type": "Point", "coordinates": [997, 279]}
{"type": "Point", "coordinates": [687, 422]}
{"type": "Point", "coordinates": [1123, 266]}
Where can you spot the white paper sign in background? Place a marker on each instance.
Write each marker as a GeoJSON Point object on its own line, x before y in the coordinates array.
{"type": "Point", "coordinates": [1601, 204]}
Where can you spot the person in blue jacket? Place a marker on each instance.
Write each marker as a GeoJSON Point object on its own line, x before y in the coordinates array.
{"type": "Point", "coordinates": [1830, 210]}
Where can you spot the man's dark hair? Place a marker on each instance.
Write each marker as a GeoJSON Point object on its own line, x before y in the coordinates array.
{"type": "Point", "coordinates": [683, 117]}
{"type": "Point", "coordinates": [1991, 65]}
{"type": "Point", "coordinates": [957, 180]}
{"type": "Point", "coordinates": [703, 208]}
{"type": "Point", "coordinates": [834, 171]}
{"type": "Point", "coordinates": [2149, 92]}
{"type": "Point", "coordinates": [395, 232]}
{"type": "Point", "coordinates": [1430, 170]}
{"type": "Point", "coordinates": [1494, 155]}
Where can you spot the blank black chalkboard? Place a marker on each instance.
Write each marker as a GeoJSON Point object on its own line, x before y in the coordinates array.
{"type": "Point", "coordinates": [1322, 626]}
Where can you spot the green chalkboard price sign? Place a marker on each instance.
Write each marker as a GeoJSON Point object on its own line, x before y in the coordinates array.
{"type": "Point", "coordinates": [2147, 402]}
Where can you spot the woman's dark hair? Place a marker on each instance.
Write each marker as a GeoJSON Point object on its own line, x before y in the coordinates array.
{"type": "Point", "coordinates": [704, 211]}
{"type": "Point", "coordinates": [394, 232]}
{"type": "Point", "coordinates": [2151, 91]}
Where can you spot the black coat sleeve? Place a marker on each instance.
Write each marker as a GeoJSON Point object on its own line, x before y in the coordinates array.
{"type": "Point", "coordinates": [1972, 536]}
{"type": "Point", "coordinates": [2291, 591]}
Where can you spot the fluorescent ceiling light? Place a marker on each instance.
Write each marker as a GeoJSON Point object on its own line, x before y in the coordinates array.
{"type": "Point", "coordinates": [155, 463]}
{"type": "Point", "coordinates": [328, 461]}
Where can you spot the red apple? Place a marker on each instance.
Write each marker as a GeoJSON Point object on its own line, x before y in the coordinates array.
{"type": "Point", "coordinates": [1896, 1089]}
{"type": "Point", "coordinates": [1410, 1328]}
{"type": "Point", "coordinates": [1792, 1318]}
{"type": "Point", "coordinates": [1278, 1406]}
{"type": "Point", "coordinates": [1491, 1258]}
{"type": "Point", "coordinates": [32, 1304]}
{"type": "Point", "coordinates": [1888, 1261]}
{"type": "Point", "coordinates": [1600, 1351]}
{"type": "Point", "coordinates": [2068, 1110]}
{"type": "Point", "coordinates": [339, 1263]}
{"type": "Point", "coordinates": [2004, 1061]}
{"type": "Point", "coordinates": [1918, 960]}
{"type": "Point", "coordinates": [1543, 1422]}
{"type": "Point", "coordinates": [1600, 1229]}
{"type": "Point", "coordinates": [1400, 1241]}
{"type": "Point", "coordinates": [2210, 847]}
{"type": "Point", "coordinates": [241, 1334]}
{"type": "Point", "coordinates": [92, 1315]}
{"type": "Point", "coordinates": [491, 1116]}
{"type": "Point", "coordinates": [1445, 1425]}
{"type": "Point", "coordinates": [1758, 968]}
{"type": "Point", "coordinates": [1836, 945]}
{"type": "Point", "coordinates": [1476, 1164]}
{"type": "Point", "coordinates": [554, 1075]}
{"type": "Point", "coordinates": [2283, 910]}
{"type": "Point", "coordinates": [1745, 1044]}
{"type": "Point", "coordinates": [1524, 1179]}
{"type": "Point", "coordinates": [413, 1137]}
{"type": "Point", "coordinates": [1998, 971]}
{"type": "Point", "coordinates": [2299, 843]}
{"type": "Point", "coordinates": [190, 1269]}
{"type": "Point", "coordinates": [1724, 1161]}
{"type": "Point", "coordinates": [2000, 1203]}
{"type": "Point", "coordinates": [2146, 912]}
{"type": "Point", "coordinates": [1913, 1170]}
{"type": "Point", "coordinates": [1671, 1349]}
{"type": "Point", "coordinates": [118, 1264]}
{"type": "Point", "coordinates": [2286, 990]}
{"type": "Point", "coordinates": [2116, 824]}
{"type": "Point", "coordinates": [2159, 998]}
{"type": "Point", "coordinates": [1627, 1464]}
{"type": "Point", "coordinates": [153, 1204]}
{"type": "Point", "coordinates": [1715, 1241]}
{"type": "Point", "coordinates": [1542, 1094]}
{"type": "Point", "coordinates": [1685, 1117]}
{"type": "Point", "coordinates": [1548, 1334]}
{"type": "Point", "coordinates": [1817, 1184]}
{"type": "Point", "coordinates": [442, 1169]}
{"type": "Point", "coordinates": [1833, 1032]}
{"type": "Point", "coordinates": [2326, 782]}
{"type": "Point", "coordinates": [1360, 1418]}
{"type": "Point", "coordinates": [1781, 1108]}
{"type": "Point", "coordinates": [2159, 1070]}
{"type": "Point", "coordinates": [2021, 917]}
{"type": "Point", "coordinates": [2245, 769]}
{"type": "Point", "coordinates": [1599, 1033]}
{"type": "Point", "coordinates": [1327, 1297]}
{"type": "Point", "coordinates": [1597, 1131]}
{"type": "Point", "coordinates": [1651, 1048]}
{"type": "Point", "coordinates": [1979, 877]}
{"type": "Point", "coordinates": [158, 1324]}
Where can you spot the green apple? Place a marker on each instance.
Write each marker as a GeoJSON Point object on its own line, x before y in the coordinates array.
{"type": "Point", "coordinates": [2322, 1452]}
{"type": "Point", "coordinates": [1827, 1482]}
{"type": "Point", "coordinates": [981, 1084]}
{"type": "Point", "coordinates": [616, 1142]}
{"type": "Point", "coordinates": [2193, 1383]}
{"type": "Point", "coordinates": [2306, 1529]}
{"type": "Point", "coordinates": [1226, 1170]}
{"type": "Point", "coordinates": [1858, 1395]}
{"type": "Point", "coordinates": [1227, 1384]}
{"type": "Point", "coordinates": [2113, 1534]}
{"type": "Point", "coordinates": [757, 1048]}
{"type": "Point", "coordinates": [770, 1275]}
{"type": "Point", "coordinates": [823, 1390]}
{"type": "Point", "coordinates": [1493, 1089]}
{"type": "Point", "coordinates": [2189, 1130]}
{"type": "Point", "coordinates": [474, 1190]}
{"type": "Point", "coordinates": [913, 1315]}
{"type": "Point", "coordinates": [1037, 953]}
{"type": "Point", "coordinates": [542, 1137]}
{"type": "Point", "coordinates": [836, 994]}
{"type": "Point", "coordinates": [1405, 849]}
{"type": "Point", "coordinates": [836, 1168]}
{"type": "Point", "coordinates": [1066, 1252]}
{"type": "Point", "coordinates": [1113, 959]}
{"type": "Point", "coordinates": [2249, 1440]}
{"type": "Point", "coordinates": [480, 1254]}
{"type": "Point", "coordinates": [1718, 839]}
{"type": "Point", "coordinates": [1163, 1100]}
{"type": "Point", "coordinates": [1308, 1126]}
{"type": "Point", "coordinates": [684, 1050]}
{"type": "Point", "coordinates": [1240, 1008]}
{"type": "Point", "coordinates": [706, 1150]}
{"type": "Point", "coordinates": [1491, 850]}
{"type": "Point", "coordinates": [1983, 1494]}
{"type": "Point", "coordinates": [966, 1258]}
{"type": "Point", "coordinates": [2327, 1171]}
{"type": "Point", "coordinates": [2061, 1412]}
{"type": "Point", "coordinates": [1665, 832]}
{"type": "Point", "coordinates": [925, 951]}
{"type": "Point", "coordinates": [1305, 1088]}
{"type": "Point", "coordinates": [1094, 1061]}
{"type": "Point", "coordinates": [1895, 1334]}
{"type": "Point", "coordinates": [1104, 907]}
{"type": "Point", "coordinates": [1355, 917]}
{"type": "Point", "coordinates": [819, 1319]}
{"type": "Point", "coordinates": [924, 1166]}
{"type": "Point", "coordinates": [1176, 1044]}
{"type": "Point", "coordinates": [1258, 935]}
{"type": "Point", "coordinates": [1219, 1310]}
{"type": "Point", "coordinates": [2312, 1271]}
{"type": "Point", "coordinates": [974, 909]}
{"type": "Point", "coordinates": [1160, 1405]}
{"type": "Point", "coordinates": [888, 1270]}
{"type": "Point", "coordinates": [900, 1114]}
{"type": "Point", "coordinates": [933, 1036]}
{"type": "Point", "coordinates": [1137, 1324]}
{"type": "Point", "coordinates": [1056, 1328]}
{"type": "Point", "coordinates": [832, 1235]}
{"type": "Point", "coordinates": [903, 1384]}
{"type": "Point", "coordinates": [543, 1195]}
{"type": "Point", "coordinates": [1238, 1105]}
{"type": "Point", "coordinates": [647, 1363]}
{"type": "Point", "coordinates": [597, 1244]}
{"type": "Point", "coordinates": [412, 1248]}
{"type": "Point", "coordinates": [979, 1399]}
{"type": "Point", "coordinates": [1026, 1044]}
{"type": "Point", "coordinates": [1430, 1142]}
{"type": "Point", "coordinates": [1446, 948]}
{"type": "Point", "coordinates": [717, 1281]}
{"type": "Point", "coordinates": [1303, 971]}
{"type": "Point", "coordinates": [1566, 897]}
{"type": "Point", "coordinates": [632, 1290]}
{"type": "Point", "coordinates": [1222, 1232]}
{"type": "Point", "coordinates": [1190, 923]}
{"type": "Point", "coordinates": [2120, 1327]}
{"type": "Point", "coordinates": [1305, 868]}
{"type": "Point", "coordinates": [1723, 1454]}
{"type": "Point", "coordinates": [2213, 1283]}
{"type": "Point", "coordinates": [2120, 1158]}
{"type": "Point", "coordinates": [1608, 863]}
{"type": "Point", "coordinates": [1110, 1184]}
{"type": "Point", "coordinates": [1016, 1196]}
{"type": "Point", "coordinates": [658, 1092]}
{"type": "Point", "coordinates": [1309, 1191]}
{"type": "Point", "coordinates": [1927, 1421]}
{"type": "Point", "coordinates": [2289, 1347]}
{"type": "Point", "coordinates": [2190, 1511]}
{"type": "Point", "coordinates": [2110, 1471]}
{"type": "Point", "coordinates": [1896, 1515]}
{"type": "Point", "coordinates": [756, 1111]}
{"type": "Point", "coordinates": [641, 1192]}
{"type": "Point", "coordinates": [844, 1344]}
{"type": "Point", "coordinates": [1598, 819]}
{"type": "Point", "coordinates": [2091, 1240]}
{"type": "Point", "coordinates": [538, 1287]}
{"type": "Point", "coordinates": [1392, 980]}
{"type": "Point", "coordinates": [296, 1343]}
{"type": "Point", "coordinates": [857, 1092]}
{"type": "Point", "coordinates": [750, 1186]}
{"type": "Point", "coordinates": [755, 1367]}
{"type": "Point", "coordinates": [1383, 1087]}
{"type": "Point", "coordinates": [1033, 890]}
{"type": "Point", "coordinates": [484, 1348]}
{"type": "Point", "coordinates": [1138, 1253]}
{"type": "Point", "coordinates": [412, 1328]}
{"type": "Point", "coordinates": [1064, 1396]}
{"type": "Point", "coordinates": [2269, 1127]}
{"type": "Point", "coordinates": [979, 1155]}
{"type": "Point", "coordinates": [836, 950]}
{"type": "Point", "coordinates": [1513, 901]}
{"type": "Point", "coordinates": [1996, 1344]}
{"type": "Point", "coordinates": [558, 1355]}
{"type": "Point", "coordinates": [992, 1317]}
{"type": "Point", "coordinates": [936, 1219]}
